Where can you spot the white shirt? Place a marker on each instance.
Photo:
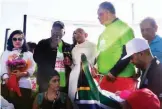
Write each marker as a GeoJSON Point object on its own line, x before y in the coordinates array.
{"type": "Point", "coordinates": [4, 104]}
{"type": "Point", "coordinates": [24, 82]}
{"type": "Point", "coordinates": [59, 65]}
{"type": "Point", "coordinates": [88, 48]}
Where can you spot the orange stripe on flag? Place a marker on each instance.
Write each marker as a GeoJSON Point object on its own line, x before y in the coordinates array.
{"type": "Point", "coordinates": [84, 88]}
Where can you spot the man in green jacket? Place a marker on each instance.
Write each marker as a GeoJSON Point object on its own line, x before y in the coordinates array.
{"type": "Point", "coordinates": [111, 48]}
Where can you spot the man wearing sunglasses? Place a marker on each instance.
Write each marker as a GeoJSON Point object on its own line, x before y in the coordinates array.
{"type": "Point", "coordinates": [56, 53]}
{"type": "Point", "coordinates": [138, 51]}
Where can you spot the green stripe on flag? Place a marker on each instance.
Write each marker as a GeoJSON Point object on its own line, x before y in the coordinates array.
{"type": "Point", "coordinates": [94, 93]}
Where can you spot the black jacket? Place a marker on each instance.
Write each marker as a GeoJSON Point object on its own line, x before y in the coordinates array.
{"type": "Point", "coordinates": [45, 57]}
{"type": "Point", "coordinates": [153, 80]}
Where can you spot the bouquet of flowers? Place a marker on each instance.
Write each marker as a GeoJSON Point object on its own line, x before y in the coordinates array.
{"type": "Point", "coordinates": [15, 64]}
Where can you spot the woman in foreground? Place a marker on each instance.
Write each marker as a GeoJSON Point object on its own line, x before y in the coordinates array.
{"type": "Point", "coordinates": [52, 98]}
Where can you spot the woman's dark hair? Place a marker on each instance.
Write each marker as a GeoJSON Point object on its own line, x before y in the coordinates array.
{"type": "Point", "coordinates": [51, 73]}
{"type": "Point", "coordinates": [10, 43]}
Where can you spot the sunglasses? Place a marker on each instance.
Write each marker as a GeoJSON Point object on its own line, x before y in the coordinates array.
{"type": "Point", "coordinates": [17, 39]}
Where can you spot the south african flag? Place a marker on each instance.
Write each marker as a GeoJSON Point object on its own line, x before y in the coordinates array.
{"type": "Point", "coordinates": [89, 94]}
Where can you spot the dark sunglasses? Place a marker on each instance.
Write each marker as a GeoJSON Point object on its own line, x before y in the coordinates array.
{"type": "Point", "coordinates": [15, 39]}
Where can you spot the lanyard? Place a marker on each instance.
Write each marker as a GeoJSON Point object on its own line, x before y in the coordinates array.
{"type": "Point", "coordinates": [144, 76]}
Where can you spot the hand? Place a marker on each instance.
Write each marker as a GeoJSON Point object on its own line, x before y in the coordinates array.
{"type": "Point", "coordinates": [110, 77]}
{"type": "Point", "coordinates": [94, 71]}
{"type": "Point", "coordinates": [136, 76]}
{"type": "Point", "coordinates": [6, 80]}
{"type": "Point", "coordinates": [21, 74]}
{"type": "Point", "coordinates": [117, 93]}
{"type": "Point", "coordinates": [18, 74]}
{"type": "Point", "coordinates": [67, 61]}
{"type": "Point", "coordinates": [15, 56]}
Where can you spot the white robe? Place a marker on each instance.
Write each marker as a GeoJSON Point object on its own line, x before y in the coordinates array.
{"type": "Point", "coordinates": [90, 50]}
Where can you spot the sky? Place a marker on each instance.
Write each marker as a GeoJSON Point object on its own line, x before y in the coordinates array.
{"type": "Point", "coordinates": [74, 13]}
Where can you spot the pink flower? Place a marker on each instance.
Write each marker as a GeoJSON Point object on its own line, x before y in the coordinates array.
{"type": "Point", "coordinates": [16, 64]}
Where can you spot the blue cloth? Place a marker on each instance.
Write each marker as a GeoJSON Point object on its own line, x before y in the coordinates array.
{"type": "Point", "coordinates": [156, 47]}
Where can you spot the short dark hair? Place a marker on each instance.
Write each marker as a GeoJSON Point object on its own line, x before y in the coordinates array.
{"type": "Point", "coordinates": [108, 6]}
{"type": "Point", "coordinates": [31, 46]}
{"type": "Point", "coordinates": [151, 20]}
{"type": "Point", "coordinates": [10, 43]}
{"type": "Point", "coordinates": [58, 24]}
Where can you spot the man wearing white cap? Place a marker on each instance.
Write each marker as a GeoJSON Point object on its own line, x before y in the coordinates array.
{"type": "Point", "coordinates": [138, 51]}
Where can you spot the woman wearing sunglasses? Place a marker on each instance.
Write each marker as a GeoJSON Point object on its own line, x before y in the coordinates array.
{"type": "Point", "coordinates": [16, 61]}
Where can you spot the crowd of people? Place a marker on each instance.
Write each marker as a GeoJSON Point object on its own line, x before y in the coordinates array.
{"type": "Point", "coordinates": [121, 59]}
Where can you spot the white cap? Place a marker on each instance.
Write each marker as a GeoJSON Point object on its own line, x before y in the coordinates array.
{"type": "Point", "coordinates": [135, 45]}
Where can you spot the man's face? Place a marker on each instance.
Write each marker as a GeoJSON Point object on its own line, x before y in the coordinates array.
{"type": "Point", "coordinates": [147, 30]}
{"type": "Point", "coordinates": [103, 16]}
{"type": "Point", "coordinates": [57, 33]}
{"type": "Point", "coordinates": [136, 59]}
{"type": "Point", "coordinates": [80, 35]}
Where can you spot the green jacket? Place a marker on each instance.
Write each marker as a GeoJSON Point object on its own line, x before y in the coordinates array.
{"type": "Point", "coordinates": [111, 48]}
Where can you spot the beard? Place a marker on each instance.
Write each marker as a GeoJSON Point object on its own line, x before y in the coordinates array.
{"type": "Point", "coordinates": [139, 65]}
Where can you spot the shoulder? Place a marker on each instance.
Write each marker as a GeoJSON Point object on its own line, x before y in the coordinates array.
{"type": "Point", "coordinates": [5, 53]}
{"type": "Point", "coordinates": [124, 26]}
{"type": "Point", "coordinates": [122, 23]}
{"type": "Point", "coordinates": [40, 98]}
{"type": "Point", "coordinates": [159, 65]}
{"type": "Point", "coordinates": [156, 66]}
{"type": "Point", "coordinates": [92, 44]}
{"type": "Point", "coordinates": [63, 97]}
{"type": "Point", "coordinates": [66, 44]}
{"type": "Point", "coordinates": [74, 49]}
{"type": "Point", "coordinates": [44, 41]}
{"type": "Point", "coordinates": [63, 94]}
{"type": "Point", "coordinates": [159, 38]}
{"type": "Point", "coordinates": [28, 53]}
{"type": "Point", "coordinates": [43, 45]}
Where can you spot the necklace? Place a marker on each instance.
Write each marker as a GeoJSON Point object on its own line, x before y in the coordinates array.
{"type": "Point", "coordinates": [55, 98]}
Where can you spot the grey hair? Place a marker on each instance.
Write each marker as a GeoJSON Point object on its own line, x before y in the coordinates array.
{"type": "Point", "coordinates": [108, 6]}
{"type": "Point", "coordinates": [151, 20]}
